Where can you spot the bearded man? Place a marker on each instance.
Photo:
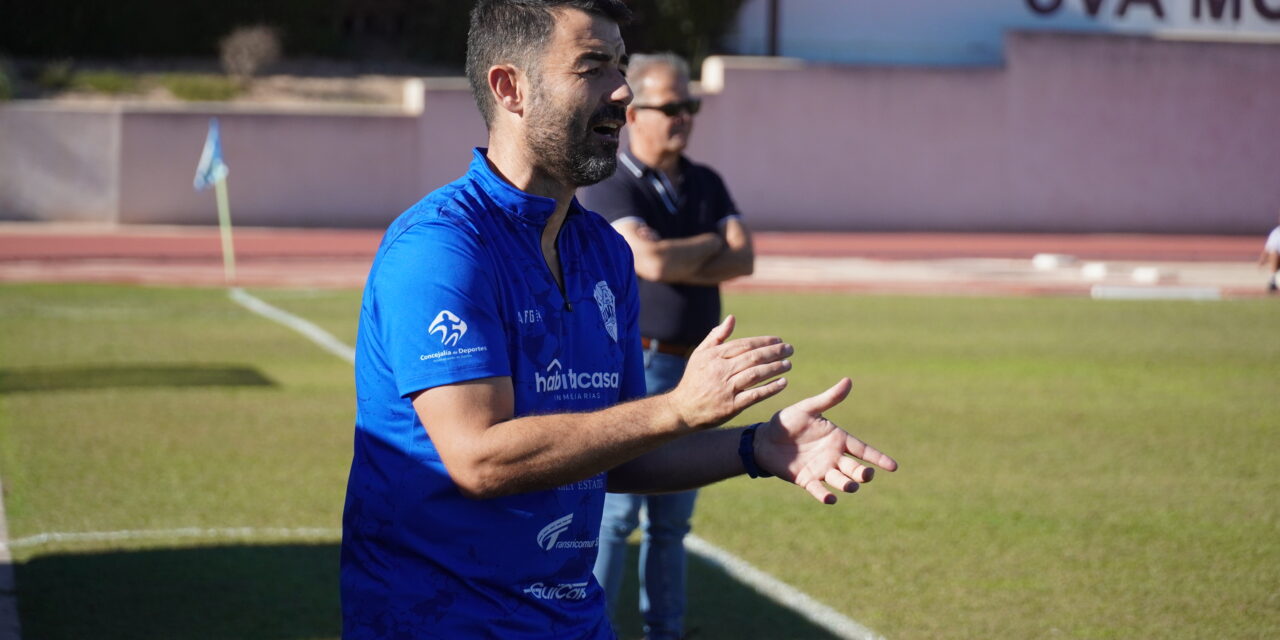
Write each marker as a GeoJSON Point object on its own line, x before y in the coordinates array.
{"type": "Point", "coordinates": [499, 376]}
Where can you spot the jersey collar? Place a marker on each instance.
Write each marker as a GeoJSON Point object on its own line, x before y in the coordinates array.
{"type": "Point", "coordinates": [526, 207]}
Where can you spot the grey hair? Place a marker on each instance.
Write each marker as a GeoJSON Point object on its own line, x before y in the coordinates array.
{"type": "Point", "coordinates": [642, 64]}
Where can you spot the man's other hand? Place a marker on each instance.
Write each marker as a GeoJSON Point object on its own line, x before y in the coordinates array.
{"type": "Point", "coordinates": [801, 446]}
{"type": "Point", "coordinates": [723, 376]}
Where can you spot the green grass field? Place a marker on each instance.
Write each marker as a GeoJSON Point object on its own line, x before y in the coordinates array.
{"type": "Point", "coordinates": [1070, 468]}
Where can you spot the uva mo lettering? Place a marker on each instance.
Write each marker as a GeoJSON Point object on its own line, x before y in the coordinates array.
{"type": "Point", "coordinates": [1200, 9]}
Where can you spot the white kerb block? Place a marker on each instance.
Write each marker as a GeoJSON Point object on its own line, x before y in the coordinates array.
{"type": "Point", "coordinates": [1149, 275]}
{"type": "Point", "coordinates": [1051, 261]}
{"type": "Point", "coordinates": [1094, 271]}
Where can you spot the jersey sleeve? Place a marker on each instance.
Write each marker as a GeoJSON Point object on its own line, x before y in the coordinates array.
{"type": "Point", "coordinates": [437, 308]}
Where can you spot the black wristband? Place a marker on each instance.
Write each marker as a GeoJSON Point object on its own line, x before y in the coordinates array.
{"type": "Point", "coordinates": [747, 451]}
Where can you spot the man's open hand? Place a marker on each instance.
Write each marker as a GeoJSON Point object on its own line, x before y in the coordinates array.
{"type": "Point", "coordinates": [799, 445]}
{"type": "Point", "coordinates": [722, 376]}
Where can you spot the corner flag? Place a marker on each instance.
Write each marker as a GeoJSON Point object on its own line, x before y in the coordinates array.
{"type": "Point", "coordinates": [213, 171]}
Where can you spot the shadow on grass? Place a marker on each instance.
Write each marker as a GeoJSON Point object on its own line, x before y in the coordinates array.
{"type": "Point", "coordinates": [282, 591]}
{"type": "Point", "coordinates": [719, 608]}
{"type": "Point", "coordinates": [291, 592]}
{"type": "Point", "coordinates": [81, 378]}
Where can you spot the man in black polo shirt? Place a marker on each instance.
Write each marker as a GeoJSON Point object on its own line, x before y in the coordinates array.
{"type": "Point", "coordinates": [687, 238]}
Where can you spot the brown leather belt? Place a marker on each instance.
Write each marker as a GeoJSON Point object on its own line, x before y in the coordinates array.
{"type": "Point", "coordinates": [669, 348]}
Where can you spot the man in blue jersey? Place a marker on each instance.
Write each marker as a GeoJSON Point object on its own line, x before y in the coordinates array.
{"type": "Point", "coordinates": [498, 366]}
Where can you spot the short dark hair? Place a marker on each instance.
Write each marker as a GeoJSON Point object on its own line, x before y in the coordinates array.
{"type": "Point", "coordinates": [517, 31]}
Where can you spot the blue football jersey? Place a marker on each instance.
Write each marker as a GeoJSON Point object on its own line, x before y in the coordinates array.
{"type": "Point", "coordinates": [459, 290]}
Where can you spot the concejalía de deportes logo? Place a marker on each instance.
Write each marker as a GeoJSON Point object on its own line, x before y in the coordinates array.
{"type": "Point", "coordinates": [450, 327]}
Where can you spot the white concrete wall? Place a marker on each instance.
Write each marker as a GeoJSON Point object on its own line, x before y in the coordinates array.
{"type": "Point", "coordinates": [1076, 133]}
{"type": "Point", "coordinates": [936, 32]}
{"type": "Point", "coordinates": [1127, 134]}
{"type": "Point", "coordinates": [846, 148]}
{"type": "Point", "coordinates": [286, 169]}
{"type": "Point", "coordinates": [59, 164]}
{"type": "Point", "coordinates": [450, 126]}
{"type": "Point", "coordinates": [134, 163]}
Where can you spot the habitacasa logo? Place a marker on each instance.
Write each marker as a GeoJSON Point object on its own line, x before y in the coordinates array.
{"type": "Point", "coordinates": [557, 379]}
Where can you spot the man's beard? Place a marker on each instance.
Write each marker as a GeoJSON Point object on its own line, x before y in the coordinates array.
{"type": "Point", "coordinates": [570, 151]}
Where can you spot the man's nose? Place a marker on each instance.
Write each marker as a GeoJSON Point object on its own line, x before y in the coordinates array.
{"type": "Point", "coordinates": [621, 94]}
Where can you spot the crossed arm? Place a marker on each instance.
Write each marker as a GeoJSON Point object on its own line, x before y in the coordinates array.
{"type": "Point", "coordinates": [705, 259]}
{"type": "Point", "coordinates": [657, 443]}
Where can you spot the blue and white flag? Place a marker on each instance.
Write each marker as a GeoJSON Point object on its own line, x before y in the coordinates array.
{"type": "Point", "coordinates": [211, 169]}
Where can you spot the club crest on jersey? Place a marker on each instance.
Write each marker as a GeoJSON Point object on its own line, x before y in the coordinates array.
{"type": "Point", "coordinates": [608, 313]}
{"type": "Point", "coordinates": [450, 327]}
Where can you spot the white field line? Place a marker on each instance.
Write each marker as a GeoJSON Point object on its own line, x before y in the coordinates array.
{"type": "Point", "coordinates": [301, 325]}
{"type": "Point", "coordinates": [780, 592]}
{"type": "Point", "coordinates": [10, 628]}
{"type": "Point", "coordinates": [226, 533]}
{"type": "Point", "coordinates": [767, 585]}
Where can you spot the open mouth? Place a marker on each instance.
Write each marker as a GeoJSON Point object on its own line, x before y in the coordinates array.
{"type": "Point", "coordinates": [607, 129]}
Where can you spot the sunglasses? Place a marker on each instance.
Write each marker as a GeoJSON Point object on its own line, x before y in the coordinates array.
{"type": "Point", "coordinates": [673, 109]}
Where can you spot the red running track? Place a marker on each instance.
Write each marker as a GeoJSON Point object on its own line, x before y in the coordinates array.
{"type": "Point", "coordinates": [50, 242]}
{"type": "Point", "coordinates": [39, 252]}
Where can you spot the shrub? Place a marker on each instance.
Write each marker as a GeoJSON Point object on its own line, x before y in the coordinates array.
{"type": "Point", "coordinates": [200, 88]}
{"type": "Point", "coordinates": [691, 29]}
{"type": "Point", "coordinates": [247, 50]}
{"type": "Point", "coordinates": [56, 75]}
{"type": "Point", "coordinates": [6, 81]}
{"type": "Point", "coordinates": [112, 82]}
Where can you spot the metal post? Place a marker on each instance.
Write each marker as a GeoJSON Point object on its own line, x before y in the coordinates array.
{"type": "Point", "coordinates": [773, 27]}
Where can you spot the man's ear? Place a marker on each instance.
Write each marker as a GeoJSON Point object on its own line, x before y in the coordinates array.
{"type": "Point", "coordinates": [507, 85]}
{"type": "Point", "coordinates": [631, 114]}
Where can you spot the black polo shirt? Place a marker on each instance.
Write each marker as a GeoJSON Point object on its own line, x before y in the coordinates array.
{"type": "Point", "coordinates": [696, 203]}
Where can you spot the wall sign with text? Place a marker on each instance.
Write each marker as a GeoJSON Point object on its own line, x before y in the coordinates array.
{"type": "Point", "coordinates": [1201, 10]}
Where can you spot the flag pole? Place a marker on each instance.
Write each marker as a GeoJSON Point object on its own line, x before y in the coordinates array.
{"type": "Point", "coordinates": [213, 171]}
{"type": "Point", "coordinates": [224, 224]}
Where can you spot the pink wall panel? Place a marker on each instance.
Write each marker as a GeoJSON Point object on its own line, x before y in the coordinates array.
{"type": "Point", "coordinates": [1086, 133]}
{"type": "Point", "coordinates": [1075, 133]}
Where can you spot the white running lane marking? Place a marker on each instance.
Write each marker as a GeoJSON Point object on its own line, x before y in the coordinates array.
{"type": "Point", "coordinates": [307, 328]}
{"type": "Point", "coordinates": [780, 592]}
{"type": "Point", "coordinates": [226, 533]}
